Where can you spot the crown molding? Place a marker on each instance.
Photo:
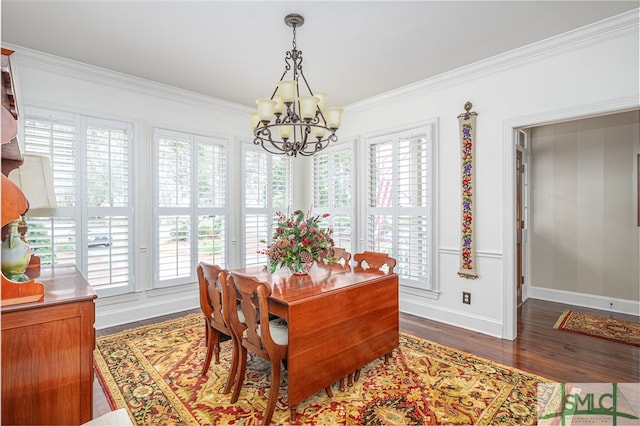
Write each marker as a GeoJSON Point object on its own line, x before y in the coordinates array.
{"type": "Point", "coordinates": [70, 68]}
{"type": "Point", "coordinates": [610, 28]}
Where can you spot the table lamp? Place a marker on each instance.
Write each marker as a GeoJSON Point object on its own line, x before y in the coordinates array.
{"type": "Point", "coordinates": [35, 178]}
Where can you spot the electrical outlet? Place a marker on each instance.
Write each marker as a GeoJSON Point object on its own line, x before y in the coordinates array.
{"type": "Point", "coordinates": [466, 297]}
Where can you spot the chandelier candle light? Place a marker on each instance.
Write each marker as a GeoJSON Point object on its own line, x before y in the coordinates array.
{"type": "Point", "coordinates": [288, 122]}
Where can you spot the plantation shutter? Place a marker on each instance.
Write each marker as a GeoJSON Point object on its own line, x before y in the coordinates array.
{"type": "Point", "coordinates": [321, 181]}
{"type": "Point", "coordinates": [399, 202]}
{"type": "Point", "coordinates": [174, 169]}
{"type": "Point", "coordinates": [90, 161]}
{"type": "Point", "coordinates": [107, 153]}
{"type": "Point", "coordinates": [212, 201]}
{"type": "Point", "coordinates": [191, 204]}
{"type": "Point", "coordinates": [267, 180]}
{"type": "Point", "coordinates": [53, 238]}
{"type": "Point", "coordinates": [332, 189]}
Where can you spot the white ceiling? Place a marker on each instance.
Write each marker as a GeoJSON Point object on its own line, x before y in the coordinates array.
{"type": "Point", "coordinates": [234, 50]}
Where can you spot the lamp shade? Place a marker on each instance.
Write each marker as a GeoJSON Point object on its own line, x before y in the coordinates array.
{"type": "Point", "coordinates": [254, 120]}
{"type": "Point", "coordinates": [35, 178]}
{"type": "Point", "coordinates": [266, 109]}
{"type": "Point", "coordinates": [308, 106]}
{"type": "Point", "coordinates": [287, 90]}
{"type": "Point", "coordinates": [334, 117]}
{"type": "Point", "coordinates": [279, 104]}
{"type": "Point", "coordinates": [285, 131]}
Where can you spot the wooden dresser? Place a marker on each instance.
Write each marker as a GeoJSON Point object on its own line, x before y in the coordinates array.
{"type": "Point", "coordinates": [47, 353]}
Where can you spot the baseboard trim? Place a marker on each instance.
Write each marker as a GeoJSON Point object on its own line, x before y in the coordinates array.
{"type": "Point", "coordinates": [472, 322]}
{"type": "Point", "coordinates": [113, 315]}
{"type": "Point", "coordinates": [623, 306]}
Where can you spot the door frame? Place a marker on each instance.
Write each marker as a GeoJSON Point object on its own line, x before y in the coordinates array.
{"type": "Point", "coordinates": [510, 129]}
{"type": "Point", "coordinates": [523, 202]}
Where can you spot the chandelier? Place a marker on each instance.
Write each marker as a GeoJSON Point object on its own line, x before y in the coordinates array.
{"type": "Point", "coordinates": [289, 122]}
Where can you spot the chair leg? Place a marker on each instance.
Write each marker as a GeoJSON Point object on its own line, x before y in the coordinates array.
{"type": "Point", "coordinates": [387, 357]}
{"type": "Point", "coordinates": [341, 385]}
{"type": "Point", "coordinates": [273, 391]}
{"type": "Point", "coordinates": [207, 359]}
{"type": "Point", "coordinates": [292, 415]}
{"type": "Point", "coordinates": [242, 366]}
{"type": "Point", "coordinates": [215, 334]}
{"type": "Point", "coordinates": [233, 369]}
{"type": "Point", "coordinates": [356, 375]}
{"type": "Point", "coordinates": [329, 391]}
{"type": "Point", "coordinates": [350, 379]}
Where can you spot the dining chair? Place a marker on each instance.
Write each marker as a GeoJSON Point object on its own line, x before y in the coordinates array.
{"type": "Point", "coordinates": [213, 298]}
{"type": "Point", "coordinates": [266, 338]}
{"type": "Point", "coordinates": [382, 262]}
{"type": "Point", "coordinates": [341, 255]}
{"type": "Point", "coordinates": [375, 260]}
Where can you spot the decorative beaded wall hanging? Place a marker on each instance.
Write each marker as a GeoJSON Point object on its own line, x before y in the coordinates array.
{"type": "Point", "coordinates": [467, 124]}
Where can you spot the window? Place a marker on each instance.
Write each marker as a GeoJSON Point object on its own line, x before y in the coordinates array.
{"type": "Point", "coordinates": [90, 160]}
{"type": "Point", "coordinates": [191, 204]}
{"type": "Point", "coordinates": [267, 180]}
{"type": "Point", "coordinates": [399, 205]}
{"type": "Point", "coordinates": [332, 191]}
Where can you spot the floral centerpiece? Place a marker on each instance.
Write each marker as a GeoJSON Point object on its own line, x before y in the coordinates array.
{"type": "Point", "coordinates": [298, 241]}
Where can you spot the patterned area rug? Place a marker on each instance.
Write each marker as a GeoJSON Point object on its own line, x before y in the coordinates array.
{"type": "Point", "coordinates": [620, 331]}
{"type": "Point", "coordinates": [154, 372]}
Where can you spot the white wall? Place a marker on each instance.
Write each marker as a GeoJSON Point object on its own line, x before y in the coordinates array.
{"type": "Point", "coordinates": [594, 66]}
{"type": "Point", "coordinates": [590, 70]}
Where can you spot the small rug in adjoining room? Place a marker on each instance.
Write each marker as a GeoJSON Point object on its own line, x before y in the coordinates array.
{"type": "Point", "coordinates": [616, 330]}
{"type": "Point", "coordinates": [154, 372]}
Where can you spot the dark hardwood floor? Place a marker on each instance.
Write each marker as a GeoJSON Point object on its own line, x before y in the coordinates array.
{"type": "Point", "coordinates": [539, 349]}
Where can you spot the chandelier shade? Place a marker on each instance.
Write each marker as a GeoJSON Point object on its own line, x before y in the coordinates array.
{"type": "Point", "coordinates": [294, 120]}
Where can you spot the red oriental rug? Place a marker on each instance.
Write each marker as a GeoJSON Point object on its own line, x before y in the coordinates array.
{"type": "Point", "coordinates": [616, 330]}
{"type": "Point", "coordinates": [154, 373]}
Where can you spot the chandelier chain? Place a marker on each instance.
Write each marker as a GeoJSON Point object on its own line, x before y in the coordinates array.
{"type": "Point", "coordinates": [294, 38]}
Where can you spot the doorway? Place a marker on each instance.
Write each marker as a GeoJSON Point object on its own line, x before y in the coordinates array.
{"type": "Point", "coordinates": [576, 210]}
{"type": "Point", "coordinates": [511, 128]}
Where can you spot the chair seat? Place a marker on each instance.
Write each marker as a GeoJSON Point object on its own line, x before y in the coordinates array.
{"type": "Point", "coordinates": [279, 331]}
{"type": "Point", "coordinates": [240, 314]}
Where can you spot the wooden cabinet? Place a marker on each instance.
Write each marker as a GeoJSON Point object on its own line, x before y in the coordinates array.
{"type": "Point", "coordinates": [47, 353]}
{"type": "Point", "coordinates": [11, 155]}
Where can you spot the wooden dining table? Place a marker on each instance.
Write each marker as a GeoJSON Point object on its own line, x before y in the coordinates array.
{"type": "Point", "coordinates": [339, 317]}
